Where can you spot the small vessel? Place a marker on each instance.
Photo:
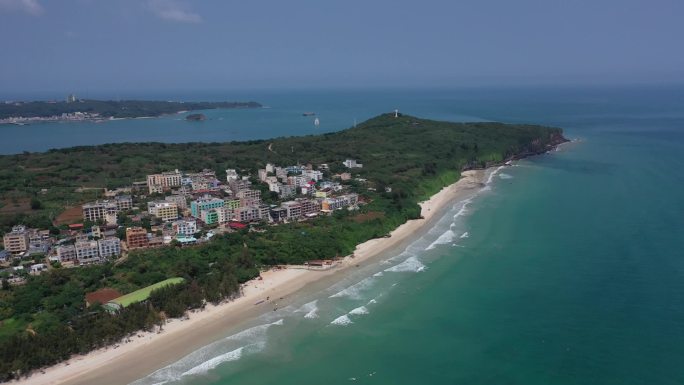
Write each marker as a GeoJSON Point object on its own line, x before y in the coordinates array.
{"type": "Point", "coordinates": [317, 122]}
{"type": "Point", "coordinates": [309, 114]}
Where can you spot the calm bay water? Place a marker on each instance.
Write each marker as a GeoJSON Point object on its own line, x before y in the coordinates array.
{"type": "Point", "coordinates": [567, 268]}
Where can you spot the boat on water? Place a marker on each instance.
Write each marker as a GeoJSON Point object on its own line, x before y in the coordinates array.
{"type": "Point", "coordinates": [317, 122]}
{"type": "Point", "coordinates": [309, 114]}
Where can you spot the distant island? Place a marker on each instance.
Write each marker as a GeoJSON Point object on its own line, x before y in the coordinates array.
{"type": "Point", "coordinates": [86, 109]}
{"type": "Point", "coordinates": [196, 117]}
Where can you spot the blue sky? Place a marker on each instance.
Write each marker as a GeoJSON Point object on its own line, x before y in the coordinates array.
{"type": "Point", "coordinates": [125, 45]}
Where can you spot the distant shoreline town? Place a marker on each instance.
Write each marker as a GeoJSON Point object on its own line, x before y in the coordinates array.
{"type": "Point", "coordinates": [74, 109]}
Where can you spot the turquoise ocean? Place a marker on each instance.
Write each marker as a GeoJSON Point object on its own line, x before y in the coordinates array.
{"type": "Point", "coordinates": [565, 268]}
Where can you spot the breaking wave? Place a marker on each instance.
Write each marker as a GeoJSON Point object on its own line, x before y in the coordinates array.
{"type": "Point", "coordinates": [354, 291]}
{"type": "Point", "coordinates": [361, 310]}
{"type": "Point", "coordinates": [446, 238]}
{"type": "Point", "coordinates": [505, 176]}
{"type": "Point", "coordinates": [310, 309]}
{"type": "Point", "coordinates": [464, 235]}
{"type": "Point", "coordinates": [206, 358]}
{"type": "Point", "coordinates": [412, 264]}
{"type": "Point", "coordinates": [342, 320]}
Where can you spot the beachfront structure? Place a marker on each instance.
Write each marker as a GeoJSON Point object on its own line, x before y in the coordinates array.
{"type": "Point", "coordinates": [139, 295]}
{"type": "Point", "coordinates": [87, 252]}
{"type": "Point", "coordinates": [158, 183]}
{"type": "Point", "coordinates": [205, 203]}
{"type": "Point", "coordinates": [109, 247]}
{"type": "Point", "coordinates": [136, 237]}
{"type": "Point", "coordinates": [351, 163]}
{"type": "Point", "coordinates": [330, 204]}
{"type": "Point", "coordinates": [17, 240]}
{"type": "Point", "coordinates": [185, 227]}
{"type": "Point", "coordinates": [166, 211]}
{"type": "Point", "coordinates": [179, 200]}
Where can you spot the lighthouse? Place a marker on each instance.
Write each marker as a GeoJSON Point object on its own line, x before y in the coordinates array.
{"type": "Point", "coordinates": [396, 113]}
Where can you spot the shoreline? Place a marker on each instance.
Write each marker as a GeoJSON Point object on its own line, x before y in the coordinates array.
{"type": "Point", "coordinates": [146, 352]}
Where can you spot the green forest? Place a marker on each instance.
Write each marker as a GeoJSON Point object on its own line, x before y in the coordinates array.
{"type": "Point", "coordinates": [46, 320]}
{"type": "Point", "coordinates": [111, 108]}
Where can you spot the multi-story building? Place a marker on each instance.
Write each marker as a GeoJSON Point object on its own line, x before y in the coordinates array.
{"type": "Point", "coordinates": [239, 185]}
{"type": "Point", "coordinates": [87, 252]}
{"type": "Point", "coordinates": [205, 203]}
{"type": "Point", "coordinates": [109, 247]}
{"type": "Point", "coordinates": [123, 202]}
{"type": "Point", "coordinates": [17, 240]}
{"type": "Point", "coordinates": [314, 175]}
{"type": "Point", "coordinates": [136, 237]}
{"type": "Point", "coordinates": [210, 216]}
{"type": "Point", "coordinates": [278, 214]}
{"type": "Point", "coordinates": [66, 253]}
{"type": "Point", "coordinates": [297, 180]}
{"type": "Point", "coordinates": [309, 206]}
{"type": "Point", "coordinates": [330, 204]}
{"type": "Point", "coordinates": [254, 195]}
{"type": "Point", "coordinates": [287, 191]}
{"type": "Point", "coordinates": [231, 175]}
{"type": "Point", "coordinates": [164, 181]}
{"type": "Point", "coordinates": [232, 204]}
{"type": "Point", "coordinates": [185, 227]}
{"type": "Point", "coordinates": [263, 174]}
{"type": "Point", "coordinates": [293, 209]}
{"type": "Point", "coordinates": [264, 212]}
{"type": "Point", "coordinates": [247, 214]}
{"type": "Point", "coordinates": [166, 211]}
{"type": "Point", "coordinates": [281, 173]}
{"type": "Point", "coordinates": [104, 210]}
{"type": "Point", "coordinates": [270, 167]}
{"type": "Point", "coordinates": [351, 163]}
{"type": "Point", "coordinates": [179, 200]}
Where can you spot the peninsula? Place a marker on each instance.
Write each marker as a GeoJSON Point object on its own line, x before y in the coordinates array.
{"type": "Point", "coordinates": [306, 201]}
{"type": "Point", "coordinates": [86, 109]}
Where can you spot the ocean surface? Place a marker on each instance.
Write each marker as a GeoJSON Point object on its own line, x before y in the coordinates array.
{"type": "Point", "coordinates": [566, 268]}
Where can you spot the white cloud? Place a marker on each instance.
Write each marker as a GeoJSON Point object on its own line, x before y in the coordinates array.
{"type": "Point", "coordinates": [29, 6]}
{"type": "Point", "coordinates": [173, 11]}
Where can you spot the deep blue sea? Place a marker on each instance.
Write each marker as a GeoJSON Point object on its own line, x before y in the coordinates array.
{"type": "Point", "coordinates": [566, 268]}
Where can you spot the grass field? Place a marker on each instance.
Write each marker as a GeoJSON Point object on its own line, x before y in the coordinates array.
{"type": "Point", "coordinates": [144, 293]}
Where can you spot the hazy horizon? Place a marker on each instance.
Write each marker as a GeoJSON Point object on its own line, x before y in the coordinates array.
{"type": "Point", "coordinates": [83, 46]}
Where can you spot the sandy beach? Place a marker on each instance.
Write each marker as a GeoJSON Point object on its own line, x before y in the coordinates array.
{"type": "Point", "coordinates": [147, 352]}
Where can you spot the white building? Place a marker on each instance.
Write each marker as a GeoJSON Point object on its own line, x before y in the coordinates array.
{"type": "Point", "coordinates": [231, 174]}
{"type": "Point", "coordinates": [351, 163]}
{"type": "Point", "coordinates": [66, 253]}
{"type": "Point", "coordinates": [109, 247]}
{"type": "Point", "coordinates": [87, 252]}
{"type": "Point", "coordinates": [186, 227]}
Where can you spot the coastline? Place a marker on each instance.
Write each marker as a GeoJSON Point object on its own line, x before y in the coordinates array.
{"type": "Point", "coordinates": [148, 351]}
